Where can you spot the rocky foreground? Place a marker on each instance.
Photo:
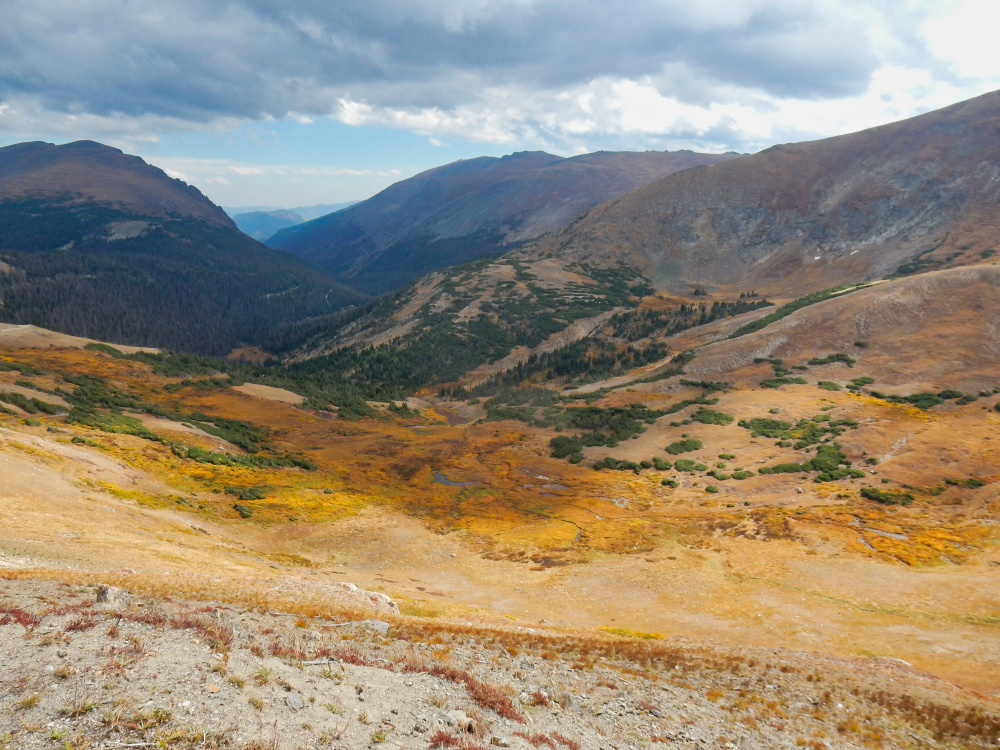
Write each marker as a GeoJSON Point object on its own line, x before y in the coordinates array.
{"type": "Point", "coordinates": [94, 667]}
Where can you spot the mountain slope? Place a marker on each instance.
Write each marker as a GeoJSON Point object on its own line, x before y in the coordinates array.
{"type": "Point", "coordinates": [469, 209]}
{"type": "Point", "coordinates": [93, 172]}
{"type": "Point", "coordinates": [806, 216]}
{"type": "Point", "coordinates": [262, 224]}
{"type": "Point", "coordinates": [903, 199]}
{"type": "Point", "coordinates": [98, 244]}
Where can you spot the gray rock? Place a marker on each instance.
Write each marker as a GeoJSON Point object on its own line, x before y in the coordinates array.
{"type": "Point", "coordinates": [498, 741]}
{"type": "Point", "coordinates": [110, 596]}
{"type": "Point", "coordinates": [294, 701]}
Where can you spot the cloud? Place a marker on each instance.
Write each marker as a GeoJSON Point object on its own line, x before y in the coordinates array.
{"type": "Point", "coordinates": [567, 74]}
{"type": "Point", "coordinates": [232, 183]}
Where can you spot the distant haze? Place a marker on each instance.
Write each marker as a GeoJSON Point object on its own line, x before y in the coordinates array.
{"type": "Point", "coordinates": [308, 213]}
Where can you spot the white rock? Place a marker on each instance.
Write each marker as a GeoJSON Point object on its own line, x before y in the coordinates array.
{"type": "Point", "coordinates": [460, 720]}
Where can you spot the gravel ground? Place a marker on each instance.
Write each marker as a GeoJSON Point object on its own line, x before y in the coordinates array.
{"type": "Point", "coordinates": [132, 672]}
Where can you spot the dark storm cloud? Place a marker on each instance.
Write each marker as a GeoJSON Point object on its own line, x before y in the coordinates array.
{"type": "Point", "coordinates": [200, 60]}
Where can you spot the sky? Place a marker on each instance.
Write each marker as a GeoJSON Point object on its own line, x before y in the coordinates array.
{"type": "Point", "coordinates": [300, 102]}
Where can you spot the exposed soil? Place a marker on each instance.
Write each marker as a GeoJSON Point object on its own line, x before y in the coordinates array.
{"type": "Point", "coordinates": [131, 671]}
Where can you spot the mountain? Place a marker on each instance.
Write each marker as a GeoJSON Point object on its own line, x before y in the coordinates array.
{"type": "Point", "coordinates": [918, 194]}
{"type": "Point", "coordinates": [608, 292]}
{"type": "Point", "coordinates": [86, 171]}
{"type": "Point", "coordinates": [97, 243]}
{"type": "Point", "coordinates": [262, 224]}
{"type": "Point", "coordinates": [307, 213]}
{"type": "Point", "coordinates": [469, 209]}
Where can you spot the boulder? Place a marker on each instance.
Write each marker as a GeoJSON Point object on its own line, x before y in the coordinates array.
{"type": "Point", "coordinates": [109, 596]}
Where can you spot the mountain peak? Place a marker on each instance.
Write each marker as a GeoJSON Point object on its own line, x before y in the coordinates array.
{"type": "Point", "coordinates": [93, 172]}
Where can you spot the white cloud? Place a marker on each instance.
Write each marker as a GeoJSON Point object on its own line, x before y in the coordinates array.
{"type": "Point", "coordinates": [231, 183]}
{"type": "Point", "coordinates": [566, 75]}
{"type": "Point", "coordinates": [964, 37]}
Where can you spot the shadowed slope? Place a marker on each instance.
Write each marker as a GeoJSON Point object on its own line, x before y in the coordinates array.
{"type": "Point", "coordinates": [469, 209]}
{"type": "Point", "coordinates": [99, 244]}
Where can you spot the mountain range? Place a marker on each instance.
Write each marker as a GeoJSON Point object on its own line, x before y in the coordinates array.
{"type": "Point", "coordinates": [262, 224]}
{"type": "Point", "coordinates": [911, 195]}
{"type": "Point", "coordinates": [543, 254]}
{"type": "Point", "coordinates": [469, 209]}
{"type": "Point", "coordinates": [308, 213]}
{"type": "Point", "coordinates": [584, 428]}
{"type": "Point", "coordinates": [97, 243]}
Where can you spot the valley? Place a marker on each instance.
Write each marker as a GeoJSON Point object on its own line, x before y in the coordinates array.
{"type": "Point", "coordinates": [472, 515]}
{"type": "Point", "coordinates": [716, 425]}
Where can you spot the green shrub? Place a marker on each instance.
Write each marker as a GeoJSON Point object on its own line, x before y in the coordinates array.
{"type": "Point", "coordinates": [243, 510]}
{"type": "Point", "coordinates": [721, 476]}
{"type": "Point", "coordinates": [112, 422]}
{"type": "Point", "coordinates": [700, 467]}
{"type": "Point", "coordinates": [660, 465]}
{"type": "Point", "coordinates": [685, 464]}
{"type": "Point", "coordinates": [19, 400]}
{"type": "Point", "coordinates": [710, 416]}
{"type": "Point", "coordinates": [727, 456]}
{"type": "Point", "coordinates": [563, 446]}
{"type": "Point", "coordinates": [772, 428]}
{"type": "Point", "coordinates": [98, 347]}
{"type": "Point", "coordinates": [857, 383]}
{"type": "Point", "coordinates": [617, 464]}
{"type": "Point", "coordinates": [32, 422]}
{"type": "Point", "coordinates": [786, 468]}
{"type": "Point", "coordinates": [646, 464]}
{"type": "Point", "coordinates": [683, 446]}
{"type": "Point", "coordinates": [672, 483]}
{"type": "Point", "coordinates": [247, 493]}
{"type": "Point", "coordinates": [830, 359]}
{"type": "Point", "coordinates": [778, 382]}
{"type": "Point", "coordinates": [742, 474]}
{"type": "Point", "coordinates": [711, 489]}
{"type": "Point", "coordinates": [80, 440]}
{"type": "Point", "coordinates": [921, 400]}
{"type": "Point", "coordinates": [950, 394]}
{"type": "Point", "coordinates": [861, 344]}
{"type": "Point", "coordinates": [829, 385]}
{"type": "Point", "coordinates": [971, 482]}
{"type": "Point", "coordinates": [886, 497]}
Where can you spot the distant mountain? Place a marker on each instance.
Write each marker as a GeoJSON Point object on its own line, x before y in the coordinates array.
{"type": "Point", "coordinates": [97, 243]}
{"type": "Point", "coordinates": [613, 289]}
{"type": "Point", "coordinates": [307, 213]}
{"type": "Point", "coordinates": [262, 224]}
{"type": "Point", "coordinates": [314, 212]}
{"type": "Point", "coordinates": [469, 209]}
{"type": "Point", "coordinates": [914, 195]}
